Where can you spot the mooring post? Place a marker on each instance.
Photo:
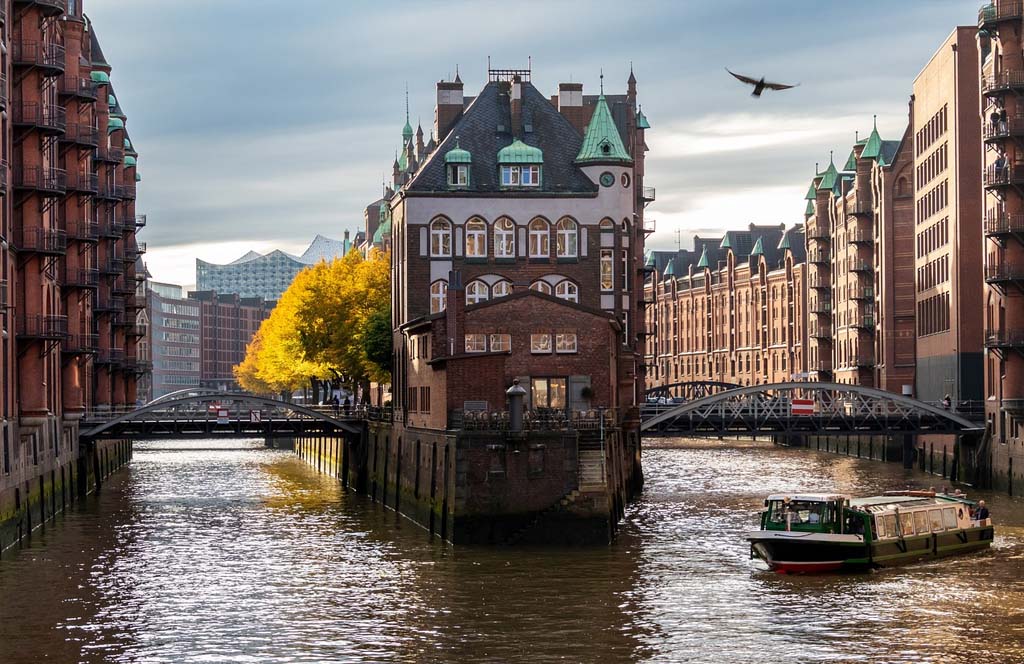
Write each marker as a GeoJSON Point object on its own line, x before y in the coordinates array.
{"type": "Point", "coordinates": [515, 394]}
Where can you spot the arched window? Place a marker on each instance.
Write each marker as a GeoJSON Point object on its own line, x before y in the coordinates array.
{"type": "Point", "coordinates": [607, 225]}
{"type": "Point", "coordinates": [541, 287]}
{"type": "Point", "coordinates": [501, 288]}
{"type": "Point", "coordinates": [540, 239]}
{"type": "Point", "coordinates": [440, 238]}
{"type": "Point", "coordinates": [476, 291]}
{"type": "Point", "coordinates": [566, 238]}
{"type": "Point", "coordinates": [504, 238]}
{"type": "Point", "coordinates": [567, 290]}
{"type": "Point", "coordinates": [476, 238]}
{"type": "Point", "coordinates": [438, 296]}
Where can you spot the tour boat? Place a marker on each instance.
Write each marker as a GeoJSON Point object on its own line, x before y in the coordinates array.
{"type": "Point", "coordinates": [807, 533]}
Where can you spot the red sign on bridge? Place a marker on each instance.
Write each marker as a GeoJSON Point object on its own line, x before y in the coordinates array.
{"type": "Point", "coordinates": [802, 407]}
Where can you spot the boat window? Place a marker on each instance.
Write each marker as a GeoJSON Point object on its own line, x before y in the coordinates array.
{"type": "Point", "coordinates": [949, 517]}
{"type": "Point", "coordinates": [921, 522]}
{"type": "Point", "coordinates": [802, 511]}
{"type": "Point", "coordinates": [936, 517]}
{"type": "Point", "coordinates": [890, 526]}
{"type": "Point", "coordinates": [907, 523]}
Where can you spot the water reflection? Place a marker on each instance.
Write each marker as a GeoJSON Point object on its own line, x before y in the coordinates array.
{"type": "Point", "coordinates": [210, 552]}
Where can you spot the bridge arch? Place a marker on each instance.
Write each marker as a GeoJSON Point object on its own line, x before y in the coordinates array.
{"type": "Point", "coordinates": [837, 409]}
{"type": "Point", "coordinates": [189, 392]}
{"type": "Point", "coordinates": [172, 408]}
{"type": "Point", "coordinates": [689, 390]}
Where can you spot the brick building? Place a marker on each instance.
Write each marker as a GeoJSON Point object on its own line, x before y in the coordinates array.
{"type": "Point", "coordinates": [860, 233]}
{"type": "Point", "coordinates": [948, 210]}
{"type": "Point", "coordinates": [227, 325]}
{"type": "Point", "coordinates": [517, 245]}
{"type": "Point", "coordinates": [1002, 82]}
{"type": "Point", "coordinates": [731, 310]}
{"type": "Point", "coordinates": [68, 174]}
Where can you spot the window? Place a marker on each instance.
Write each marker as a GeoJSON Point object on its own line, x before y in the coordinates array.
{"type": "Point", "coordinates": [438, 296]}
{"type": "Point", "coordinates": [440, 238]}
{"type": "Point", "coordinates": [458, 175]}
{"type": "Point", "coordinates": [541, 287]}
{"type": "Point", "coordinates": [504, 238]}
{"type": "Point", "coordinates": [510, 176]}
{"type": "Point", "coordinates": [476, 343]}
{"type": "Point", "coordinates": [936, 519]}
{"type": "Point", "coordinates": [540, 238]}
{"type": "Point", "coordinates": [949, 517]}
{"type": "Point", "coordinates": [607, 281]}
{"type": "Point", "coordinates": [501, 342]}
{"type": "Point", "coordinates": [413, 392]}
{"type": "Point", "coordinates": [501, 288]}
{"type": "Point", "coordinates": [424, 399]}
{"type": "Point", "coordinates": [476, 292]}
{"type": "Point", "coordinates": [476, 238]}
{"type": "Point", "coordinates": [530, 176]}
{"type": "Point", "coordinates": [625, 269]}
{"type": "Point", "coordinates": [907, 523]}
{"type": "Point", "coordinates": [540, 343]}
{"type": "Point", "coordinates": [548, 392]}
{"type": "Point", "coordinates": [921, 522]}
{"type": "Point", "coordinates": [565, 343]}
{"type": "Point", "coordinates": [566, 238]}
{"type": "Point", "coordinates": [567, 290]}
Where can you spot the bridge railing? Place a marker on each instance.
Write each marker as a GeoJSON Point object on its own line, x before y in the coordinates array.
{"type": "Point", "coordinates": [533, 420]}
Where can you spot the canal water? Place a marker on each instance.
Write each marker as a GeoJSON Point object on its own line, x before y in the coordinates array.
{"type": "Point", "coordinates": [227, 552]}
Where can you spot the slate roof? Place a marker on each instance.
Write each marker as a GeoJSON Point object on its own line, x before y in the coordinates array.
{"type": "Point", "coordinates": [486, 127]}
{"type": "Point", "coordinates": [766, 240]}
{"type": "Point", "coordinates": [94, 48]}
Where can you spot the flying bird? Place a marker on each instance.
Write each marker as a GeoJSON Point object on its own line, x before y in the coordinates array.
{"type": "Point", "coordinates": [762, 85]}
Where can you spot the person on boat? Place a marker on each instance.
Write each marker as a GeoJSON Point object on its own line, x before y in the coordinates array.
{"type": "Point", "coordinates": [813, 517]}
{"type": "Point", "coordinates": [981, 513]}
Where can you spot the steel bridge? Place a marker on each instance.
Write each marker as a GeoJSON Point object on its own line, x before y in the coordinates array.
{"type": "Point", "coordinates": [205, 414]}
{"type": "Point", "coordinates": [689, 390]}
{"type": "Point", "coordinates": [806, 408]}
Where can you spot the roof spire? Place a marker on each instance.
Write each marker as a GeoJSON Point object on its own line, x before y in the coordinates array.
{"type": "Point", "coordinates": [602, 81]}
{"type": "Point", "coordinates": [875, 120]}
{"type": "Point", "coordinates": [856, 135]}
{"type": "Point", "coordinates": [407, 102]}
{"type": "Point", "coordinates": [457, 79]}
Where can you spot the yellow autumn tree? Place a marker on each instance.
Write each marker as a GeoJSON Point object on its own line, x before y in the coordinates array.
{"type": "Point", "coordinates": [318, 330]}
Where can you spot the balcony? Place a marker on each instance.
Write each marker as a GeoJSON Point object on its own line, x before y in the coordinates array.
{"type": "Point", "coordinates": [1004, 273]}
{"type": "Point", "coordinates": [120, 319]}
{"type": "Point", "coordinates": [865, 323]}
{"type": "Point", "coordinates": [818, 233]}
{"type": "Point", "coordinates": [78, 87]}
{"type": "Point", "coordinates": [864, 360]}
{"type": "Point", "coordinates": [53, 328]}
{"type": "Point", "coordinates": [111, 228]}
{"type": "Point", "coordinates": [108, 304]}
{"type": "Point", "coordinates": [133, 250]}
{"type": "Point", "coordinates": [995, 176]}
{"type": "Point", "coordinates": [112, 266]}
{"type": "Point", "coordinates": [820, 282]}
{"type": "Point", "coordinates": [80, 133]}
{"type": "Point", "coordinates": [822, 308]}
{"type": "Point", "coordinates": [125, 191]}
{"type": "Point", "coordinates": [818, 257]}
{"type": "Point", "coordinates": [861, 266]}
{"type": "Point", "coordinates": [122, 287]}
{"type": "Point", "coordinates": [3, 294]}
{"type": "Point", "coordinates": [650, 225]}
{"type": "Point", "coordinates": [646, 195]}
{"type": "Point", "coordinates": [3, 86]}
{"type": "Point", "coordinates": [861, 293]}
{"type": "Point", "coordinates": [86, 278]}
{"type": "Point", "coordinates": [822, 331]}
{"type": "Point", "coordinates": [81, 344]}
{"type": "Point", "coordinates": [106, 191]}
{"type": "Point", "coordinates": [49, 118]}
{"type": "Point", "coordinates": [112, 155]}
{"type": "Point", "coordinates": [140, 221]}
{"type": "Point", "coordinates": [45, 180]}
{"type": "Point", "coordinates": [1008, 79]}
{"type": "Point", "coordinates": [998, 224]}
{"type": "Point", "coordinates": [46, 241]}
{"type": "Point", "coordinates": [86, 183]}
{"type": "Point", "coordinates": [859, 207]}
{"type": "Point", "coordinates": [994, 12]}
{"type": "Point", "coordinates": [1013, 406]}
{"type": "Point", "coordinates": [83, 231]}
{"type": "Point", "coordinates": [138, 331]}
{"type": "Point", "coordinates": [110, 356]}
{"type": "Point", "coordinates": [48, 57]}
{"type": "Point", "coordinates": [821, 366]}
{"type": "Point", "coordinates": [861, 237]}
{"type": "Point", "coordinates": [993, 132]}
{"type": "Point", "coordinates": [1004, 339]}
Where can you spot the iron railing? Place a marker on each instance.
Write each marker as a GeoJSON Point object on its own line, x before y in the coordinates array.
{"type": "Point", "coordinates": [1000, 271]}
{"type": "Point", "coordinates": [997, 223]}
{"type": "Point", "coordinates": [82, 278]}
{"type": "Point", "coordinates": [1005, 10]}
{"type": "Point", "coordinates": [76, 86]}
{"type": "Point", "coordinates": [110, 154]}
{"type": "Point", "coordinates": [533, 420]}
{"type": "Point", "coordinates": [1008, 79]}
{"type": "Point", "coordinates": [81, 344]}
{"type": "Point", "coordinates": [83, 231]}
{"type": "Point", "coordinates": [81, 133]}
{"type": "Point", "coordinates": [49, 241]}
{"type": "Point", "coordinates": [44, 179]}
{"type": "Point", "coordinates": [110, 356]}
{"type": "Point", "coordinates": [997, 176]}
{"type": "Point", "coordinates": [83, 182]}
{"type": "Point", "coordinates": [1002, 338]}
{"type": "Point", "coordinates": [108, 304]}
{"type": "Point", "coordinates": [140, 221]}
{"type": "Point", "coordinates": [48, 56]}
{"type": "Point", "coordinates": [38, 326]}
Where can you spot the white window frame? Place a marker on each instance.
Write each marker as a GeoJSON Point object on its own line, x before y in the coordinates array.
{"type": "Point", "coordinates": [539, 240]}
{"type": "Point", "coordinates": [501, 342]}
{"type": "Point", "coordinates": [441, 238]}
{"type": "Point", "coordinates": [476, 343]}
{"type": "Point", "coordinates": [510, 176]}
{"type": "Point", "coordinates": [501, 288]}
{"type": "Point", "coordinates": [476, 238]}
{"type": "Point", "coordinates": [565, 343]}
{"type": "Point", "coordinates": [540, 344]}
{"type": "Point", "coordinates": [568, 291]}
{"type": "Point", "coordinates": [567, 238]}
{"type": "Point", "coordinates": [477, 291]}
{"type": "Point", "coordinates": [504, 238]}
{"type": "Point", "coordinates": [529, 176]}
{"type": "Point", "coordinates": [607, 270]}
{"type": "Point", "coordinates": [438, 296]}
{"type": "Point", "coordinates": [541, 286]}
{"type": "Point", "coordinates": [458, 175]}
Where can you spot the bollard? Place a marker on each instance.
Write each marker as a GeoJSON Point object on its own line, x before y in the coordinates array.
{"type": "Point", "coordinates": [515, 394]}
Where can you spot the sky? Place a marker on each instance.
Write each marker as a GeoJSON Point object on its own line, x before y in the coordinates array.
{"type": "Point", "coordinates": [261, 123]}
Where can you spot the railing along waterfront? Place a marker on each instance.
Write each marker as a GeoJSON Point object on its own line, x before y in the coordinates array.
{"type": "Point", "coordinates": [533, 420]}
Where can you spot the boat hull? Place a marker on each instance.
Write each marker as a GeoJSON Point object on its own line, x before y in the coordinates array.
{"type": "Point", "coordinates": [804, 553]}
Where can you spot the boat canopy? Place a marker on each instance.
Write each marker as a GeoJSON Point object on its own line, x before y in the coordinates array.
{"type": "Point", "coordinates": [808, 497]}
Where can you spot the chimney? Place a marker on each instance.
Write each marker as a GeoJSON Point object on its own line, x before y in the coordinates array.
{"type": "Point", "coordinates": [455, 312]}
{"type": "Point", "coordinates": [516, 107]}
{"type": "Point", "coordinates": [570, 104]}
{"type": "Point", "coordinates": [449, 107]}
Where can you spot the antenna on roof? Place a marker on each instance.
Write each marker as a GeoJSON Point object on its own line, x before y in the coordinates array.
{"type": "Point", "coordinates": [679, 239]}
{"type": "Point", "coordinates": [856, 135]}
{"type": "Point", "coordinates": [602, 80]}
{"type": "Point", "coordinates": [407, 101]}
{"type": "Point", "coordinates": [529, 62]}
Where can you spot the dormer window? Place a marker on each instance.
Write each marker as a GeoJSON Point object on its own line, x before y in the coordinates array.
{"type": "Point", "coordinates": [520, 165]}
{"type": "Point", "coordinates": [457, 162]}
